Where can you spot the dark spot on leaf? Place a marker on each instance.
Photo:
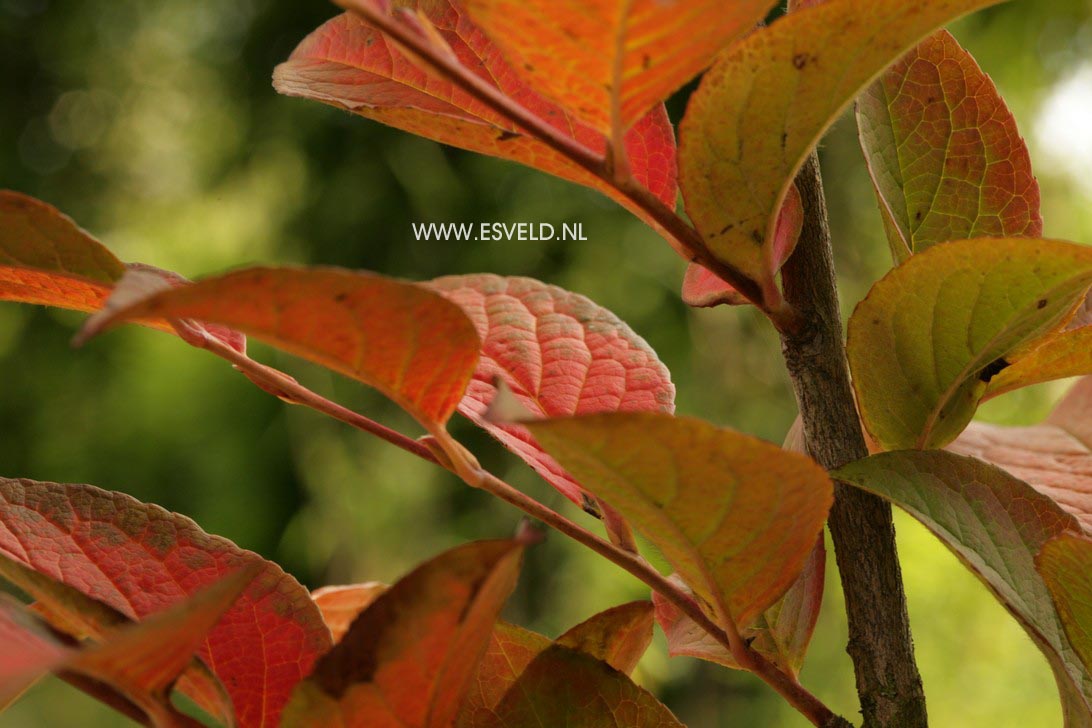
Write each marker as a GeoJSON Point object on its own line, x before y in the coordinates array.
{"type": "Point", "coordinates": [992, 369]}
{"type": "Point", "coordinates": [646, 61]}
{"type": "Point", "coordinates": [726, 228]}
{"type": "Point", "coordinates": [800, 60]}
{"type": "Point", "coordinates": [590, 506]}
{"type": "Point", "coordinates": [341, 297]}
{"type": "Point", "coordinates": [758, 237]}
{"type": "Point", "coordinates": [528, 67]}
{"type": "Point", "coordinates": [507, 135]}
{"type": "Point", "coordinates": [1041, 303]}
{"type": "Point", "coordinates": [918, 215]}
{"type": "Point", "coordinates": [784, 139]}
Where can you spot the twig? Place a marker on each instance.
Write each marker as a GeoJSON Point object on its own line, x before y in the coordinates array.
{"type": "Point", "coordinates": [861, 526]}
{"type": "Point", "coordinates": [288, 389]}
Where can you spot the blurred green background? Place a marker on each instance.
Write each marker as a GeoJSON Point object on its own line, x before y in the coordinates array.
{"type": "Point", "coordinates": [153, 123]}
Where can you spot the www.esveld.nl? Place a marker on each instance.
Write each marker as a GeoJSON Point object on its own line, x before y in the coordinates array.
{"type": "Point", "coordinates": [490, 231]}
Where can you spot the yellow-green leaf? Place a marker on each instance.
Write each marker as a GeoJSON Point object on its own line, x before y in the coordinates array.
{"type": "Point", "coordinates": [932, 333]}
{"type": "Point", "coordinates": [946, 159]}
{"type": "Point", "coordinates": [1066, 565]}
{"type": "Point", "coordinates": [767, 101]}
{"type": "Point", "coordinates": [736, 517]}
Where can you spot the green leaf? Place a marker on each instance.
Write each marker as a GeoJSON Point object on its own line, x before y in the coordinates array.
{"type": "Point", "coordinates": [995, 524]}
{"type": "Point", "coordinates": [929, 336]}
{"type": "Point", "coordinates": [768, 100]}
{"type": "Point", "coordinates": [946, 159]}
{"type": "Point", "coordinates": [736, 517]}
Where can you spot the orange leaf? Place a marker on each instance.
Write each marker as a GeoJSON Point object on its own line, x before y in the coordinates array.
{"type": "Point", "coordinates": [348, 64]}
{"type": "Point", "coordinates": [559, 354]}
{"type": "Point", "coordinates": [139, 559]}
{"type": "Point", "coordinates": [781, 635]}
{"type": "Point", "coordinates": [46, 259]}
{"type": "Point", "coordinates": [400, 338]}
{"type": "Point", "coordinates": [409, 658]}
{"type": "Point", "coordinates": [946, 159]}
{"type": "Point", "coordinates": [619, 636]}
{"type": "Point", "coordinates": [340, 605]}
{"type": "Point", "coordinates": [610, 61]}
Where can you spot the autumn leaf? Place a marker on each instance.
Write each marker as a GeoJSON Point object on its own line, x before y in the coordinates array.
{"type": "Point", "coordinates": [29, 650]}
{"type": "Point", "coordinates": [1059, 355]}
{"type": "Point", "coordinates": [139, 559]}
{"type": "Point", "coordinates": [409, 658]}
{"type": "Point", "coordinates": [781, 634]}
{"type": "Point", "coordinates": [1054, 457]}
{"type": "Point", "coordinates": [611, 61]}
{"type": "Point", "coordinates": [768, 100]}
{"type": "Point", "coordinates": [932, 333]}
{"type": "Point", "coordinates": [348, 64]}
{"type": "Point", "coordinates": [1066, 565]}
{"type": "Point", "coordinates": [996, 524]}
{"type": "Point", "coordinates": [340, 605]}
{"type": "Point", "coordinates": [138, 661]}
{"type": "Point", "coordinates": [565, 687]}
{"type": "Point", "coordinates": [406, 341]}
{"type": "Point", "coordinates": [736, 517]}
{"type": "Point", "coordinates": [703, 289]}
{"type": "Point", "coordinates": [618, 636]}
{"type": "Point", "coordinates": [559, 354]}
{"type": "Point", "coordinates": [46, 259]}
{"type": "Point", "coordinates": [946, 159]}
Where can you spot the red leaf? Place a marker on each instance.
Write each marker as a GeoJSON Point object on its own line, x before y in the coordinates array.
{"type": "Point", "coordinates": [140, 559]}
{"type": "Point", "coordinates": [703, 289]}
{"type": "Point", "coordinates": [400, 338]}
{"type": "Point", "coordinates": [29, 652]}
{"type": "Point", "coordinates": [346, 63]}
{"type": "Point", "coordinates": [409, 658]}
{"type": "Point", "coordinates": [560, 354]}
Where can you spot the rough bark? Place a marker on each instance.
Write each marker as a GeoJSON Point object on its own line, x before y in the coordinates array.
{"type": "Point", "coordinates": [861, 526]}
